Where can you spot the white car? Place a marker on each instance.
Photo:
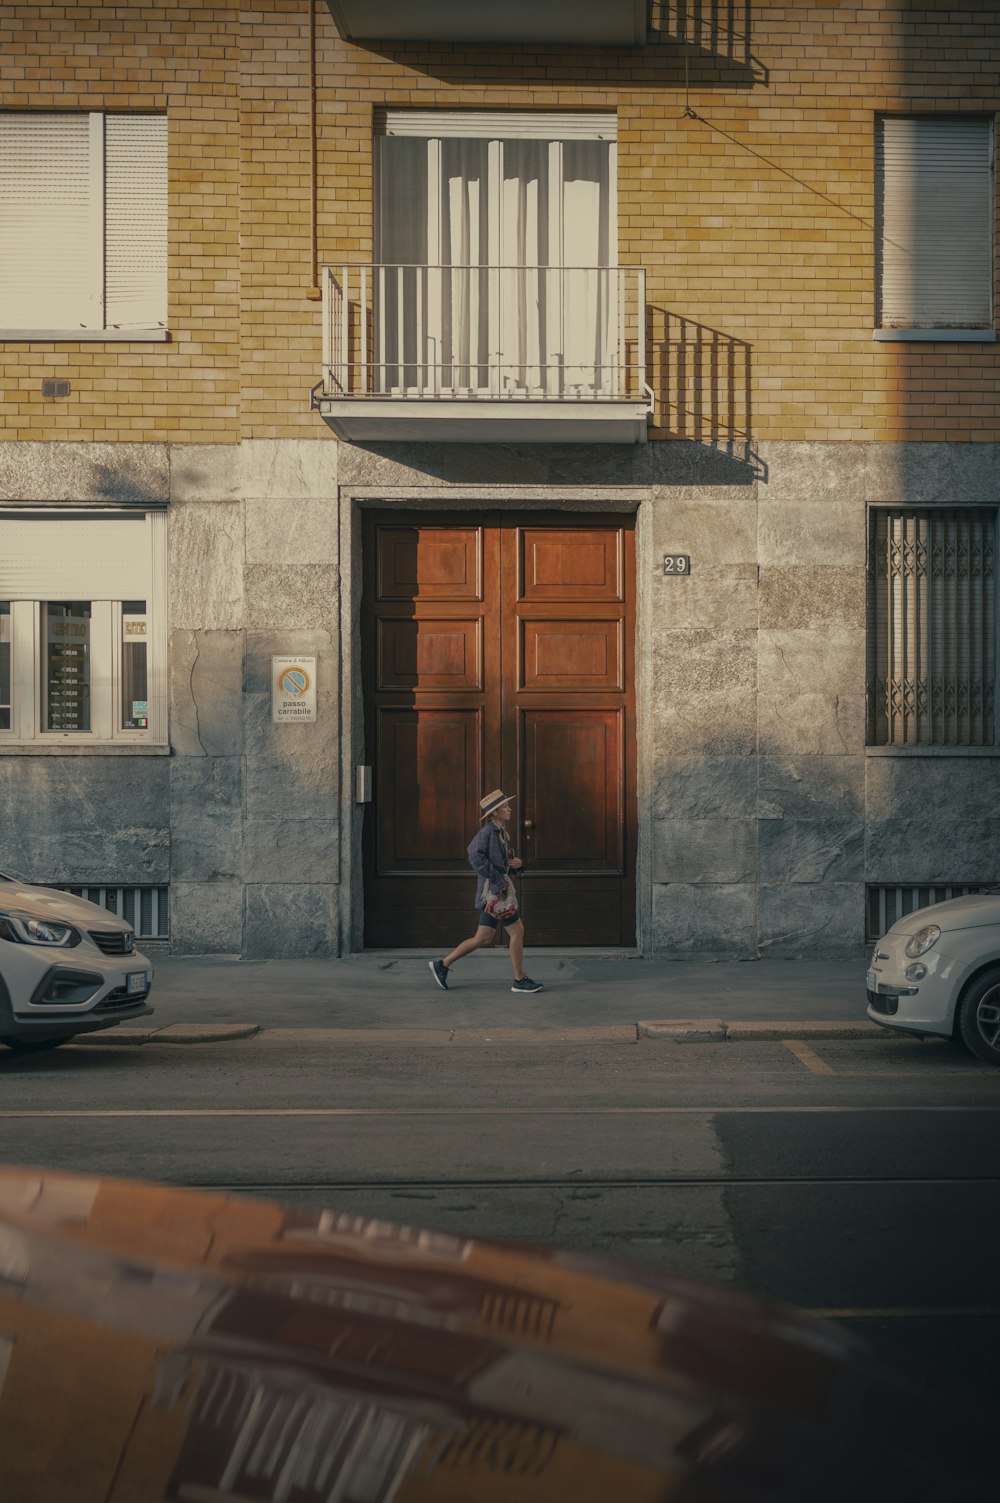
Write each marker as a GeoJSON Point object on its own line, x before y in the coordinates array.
{"type": "Point", "coordinates": [937, 971]}
{"type": "Point", "coordinates": [66, 967]}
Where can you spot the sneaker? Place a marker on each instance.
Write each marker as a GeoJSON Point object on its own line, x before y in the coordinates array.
{"type": "Point", "coordinates": [527, 985]}
{"type": "Point", "coordinates": [440, 973]}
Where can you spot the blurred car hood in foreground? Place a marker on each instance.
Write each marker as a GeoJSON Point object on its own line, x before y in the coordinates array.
{"type": "Point", "coordinates": [158, 1343]}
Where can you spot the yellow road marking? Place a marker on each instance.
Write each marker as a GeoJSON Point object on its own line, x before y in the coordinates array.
{"type": "Point", "coordinates": [808, 1057]}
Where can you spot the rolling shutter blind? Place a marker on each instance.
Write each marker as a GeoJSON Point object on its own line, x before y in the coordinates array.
{"type": "Point", "coordinates": [495, 125]}
{"type": "Point", "coordinates": [83, 221]}
{"type": "Point", "coordinates": [76, 557]}
{"type": "Point", "coordinates": [932, 628]}
{"type": "Point", "coordinates": [49, 261]}
{"type": "Point", "coordinates": [136, 221]}
{"type": "Point", "coordinates": [934, 181]}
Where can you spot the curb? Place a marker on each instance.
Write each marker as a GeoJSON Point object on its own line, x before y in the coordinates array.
{"type": "Point", "coordinates": [173, 1033]}
{"type": "Point", "coordinates": [671, 1030]}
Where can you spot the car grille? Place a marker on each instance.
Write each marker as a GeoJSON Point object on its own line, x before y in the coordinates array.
{"type": "Point", "coordinates": [113, 941]}
{"type": "Point", "coordinates": [120, 1001]}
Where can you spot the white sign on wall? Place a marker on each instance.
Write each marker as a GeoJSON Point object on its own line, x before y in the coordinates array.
{"type": "Point", "coordinates": [293, 690]}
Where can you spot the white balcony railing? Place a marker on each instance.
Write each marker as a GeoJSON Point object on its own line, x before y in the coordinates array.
{"type": "Point", "coordinates": [559, 334]}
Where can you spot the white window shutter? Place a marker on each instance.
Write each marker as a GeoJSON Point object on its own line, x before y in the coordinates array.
{"type": "Point", "coordinates": [495, 125]}
{"type": "Point", "coordinates": [49, 263]}
{"type": "Point", "coordinates": [934, 179]}
{"type": "Point", "coordinates": [136, 221]}
{"type": "Point", "coordinates": [75, 557]}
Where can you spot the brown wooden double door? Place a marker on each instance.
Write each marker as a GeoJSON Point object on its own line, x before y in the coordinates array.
{"type": "Point", "coordinates": [497, 652]}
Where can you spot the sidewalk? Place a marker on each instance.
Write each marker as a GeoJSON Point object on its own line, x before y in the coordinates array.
{"type": "Point", "coordinates": [388, 994]}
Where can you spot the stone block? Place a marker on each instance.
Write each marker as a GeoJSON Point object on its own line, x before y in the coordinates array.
{"type": "Point", "coordinates": [206, 693]}
{"type": "Point", "coordinates": [689, 663]}
{"type": "Point", "coordinates": [811, 595]}
{"type": "Point", "coordinates": [935, 848]}
{"type": "Point", "coordinates": [717, 726]}
{"type": "Point", "coordinates": [206, 918]}
{"type": "Point", "coordinates": [206, 814]}
{"type": "Point", "coordinates": [932, 474]}
{"type": "Point", "coordinates": [932, 792]}
{"type": "Point", "coordinates": [705, 850]}
{"type": "Point", "coordinates": [291, 533]}
{"type": "Point", "coordinates": [698, 788]}
{"type": "Point", "coordinates": [716, 526]}
{"type": "Point", "coordinates": [204, 472]}
{"type": "Point", "coordinates": [811, 691]}
{"type": "Point", "coordinates": [814, 787]}
{"type": "Point", "coordinates": [814, 921]}
{"type": "Point", "coordinates": [293, 468]}
{"type": "Point", "coordinates": [85, 819]}
{"type": "Point", "coordinates": [292, 771]}
{"type": "Point", "coordinates": [811, 850]}
{"type": "Point", "coordinates": [206, 567]}
{"type": "Point", "coordinates": [292, 921]}
{"type": "Point", "coordinates": [294, 597]}
{"type": "Point", "coordinates": [702, 921]}
{"type": "Point", "coordinates": [126, 474]}
{"type": "Point", "coordinates": [798, 533]}
{"type": "Point", "coordinates": [808, 474]}
{"type": "Point", "coordinates": [291, 850]}
{"type": "Point", "coordinates": [262, 646]}
{"type": "Point", "coordinates": [711, 596]}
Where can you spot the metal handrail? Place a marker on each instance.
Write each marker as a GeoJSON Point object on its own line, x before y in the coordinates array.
{"type": "Point", "coordinates": [386, 328]}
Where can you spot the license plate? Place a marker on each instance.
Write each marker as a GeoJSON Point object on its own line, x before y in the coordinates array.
{"type": "Point", "coordinates": [135, 981]}
{"type": "Point", "coordinates": [871, 982]}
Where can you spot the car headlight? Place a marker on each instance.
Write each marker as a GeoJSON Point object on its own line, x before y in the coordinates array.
{"type": "Point", "coordinates": [20, 929]}
{"type": "Point", "coordinates": [924, 939]}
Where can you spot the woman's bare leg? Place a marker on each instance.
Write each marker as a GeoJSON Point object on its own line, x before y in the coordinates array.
{"type": "Point", "coordinates": [515, 937]}
{"type": "Point", "coordinates": [484, 935]}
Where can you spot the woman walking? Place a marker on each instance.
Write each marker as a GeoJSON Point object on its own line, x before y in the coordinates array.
{"type": "Point", "coordinates": [492, 859]}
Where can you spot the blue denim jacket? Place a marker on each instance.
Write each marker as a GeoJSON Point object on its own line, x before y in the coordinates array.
{"type": "Point", "coordinates": [488, 859]}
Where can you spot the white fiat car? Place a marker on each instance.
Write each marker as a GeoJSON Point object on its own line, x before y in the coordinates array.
{"type": "Point", "coordinates": [937, 971]}
{"type": "Point", "coordinates": [66, 967]}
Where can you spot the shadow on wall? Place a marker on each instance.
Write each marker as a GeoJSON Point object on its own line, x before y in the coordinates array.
{"type": "Point", "coordinates": [702, 43]}
{"type": "Point", "coordinates": [701, 378]}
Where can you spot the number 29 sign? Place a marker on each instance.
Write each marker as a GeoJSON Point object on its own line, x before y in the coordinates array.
{"type": "Point", "coordinates": [676, 563]}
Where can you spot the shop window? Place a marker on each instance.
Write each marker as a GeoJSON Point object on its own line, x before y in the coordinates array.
{"type": "Point", "coordinates": [82, 666]}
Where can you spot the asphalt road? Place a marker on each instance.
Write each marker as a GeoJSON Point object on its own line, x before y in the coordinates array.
{"type": "Point", "coordinates": [857, 1179]}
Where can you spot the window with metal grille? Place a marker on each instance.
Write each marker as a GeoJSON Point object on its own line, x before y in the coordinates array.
{"type": "Point", "coordinates": [147, 909]}
{"type": "Point", "coordinates": [885, 905]}
{"type": "Point", "coordinates": [932, 657]}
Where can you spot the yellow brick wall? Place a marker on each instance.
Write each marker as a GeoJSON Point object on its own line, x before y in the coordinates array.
{"type": "Point", "coordinates": [753, 215]}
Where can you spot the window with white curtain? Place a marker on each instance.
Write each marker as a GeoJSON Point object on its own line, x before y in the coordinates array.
{"type": "Point", "coordinates": [496, 248]}
{"type": "Point", "coordinates": [934, 205]}
{"type": "Point", "coordinates": [82, 627]}
{"type": "Point", "coordinates": [932, 627]}
{"type": "Point", "coordinates": [83, 223]}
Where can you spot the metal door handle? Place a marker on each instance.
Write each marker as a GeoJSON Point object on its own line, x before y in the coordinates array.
{"type": "Point", "coordinates": [529, 824]}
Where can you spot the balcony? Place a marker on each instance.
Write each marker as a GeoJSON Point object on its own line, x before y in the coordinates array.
{"type": "Point", "coordinates": [476, 354]}
{"type": "Point", "coordinates": [606, 23]}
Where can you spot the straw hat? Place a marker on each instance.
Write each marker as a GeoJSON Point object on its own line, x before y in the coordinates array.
{"type": "Point", "coordinates": [493, 801]}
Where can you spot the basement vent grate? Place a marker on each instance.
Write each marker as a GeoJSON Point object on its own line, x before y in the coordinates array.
{"type": "Point", "coordinates": [147, 909]}
{"type": "Point", "coordinates": [885, 905]}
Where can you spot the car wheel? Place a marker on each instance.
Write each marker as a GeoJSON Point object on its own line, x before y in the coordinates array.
{"type": "Point", "coordinates": [979, 1016]}
{"type": "Point", "coordinates": [34, 1046]}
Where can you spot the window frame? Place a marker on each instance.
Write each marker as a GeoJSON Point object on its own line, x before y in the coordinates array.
{"type": "Point", "coordinates": [928, 748]}
{"type": "Point", "coordinates": [28, 731]}
{"type": "Point", "coordinates": [96, 248]}
{"type": "Point", "coordinates": [927, 333]}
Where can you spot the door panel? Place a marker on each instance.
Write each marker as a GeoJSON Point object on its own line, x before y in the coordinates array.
{"type": "Point", "coordinates": [571, 777]}
{"type": "Point", "coordinates": [497, 652]}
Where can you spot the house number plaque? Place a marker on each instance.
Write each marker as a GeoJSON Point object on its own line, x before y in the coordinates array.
{"type": "Point", "coordinates": [676, 563]}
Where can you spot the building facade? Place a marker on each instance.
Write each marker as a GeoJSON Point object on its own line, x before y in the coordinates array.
{"type": "Point", "coordinates": [598, 402]}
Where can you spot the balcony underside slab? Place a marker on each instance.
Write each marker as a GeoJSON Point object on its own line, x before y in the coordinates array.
{"type": "Point", "coordinates": [609, 23]}
{"type": "Point", "coordinates": [362, 420]}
